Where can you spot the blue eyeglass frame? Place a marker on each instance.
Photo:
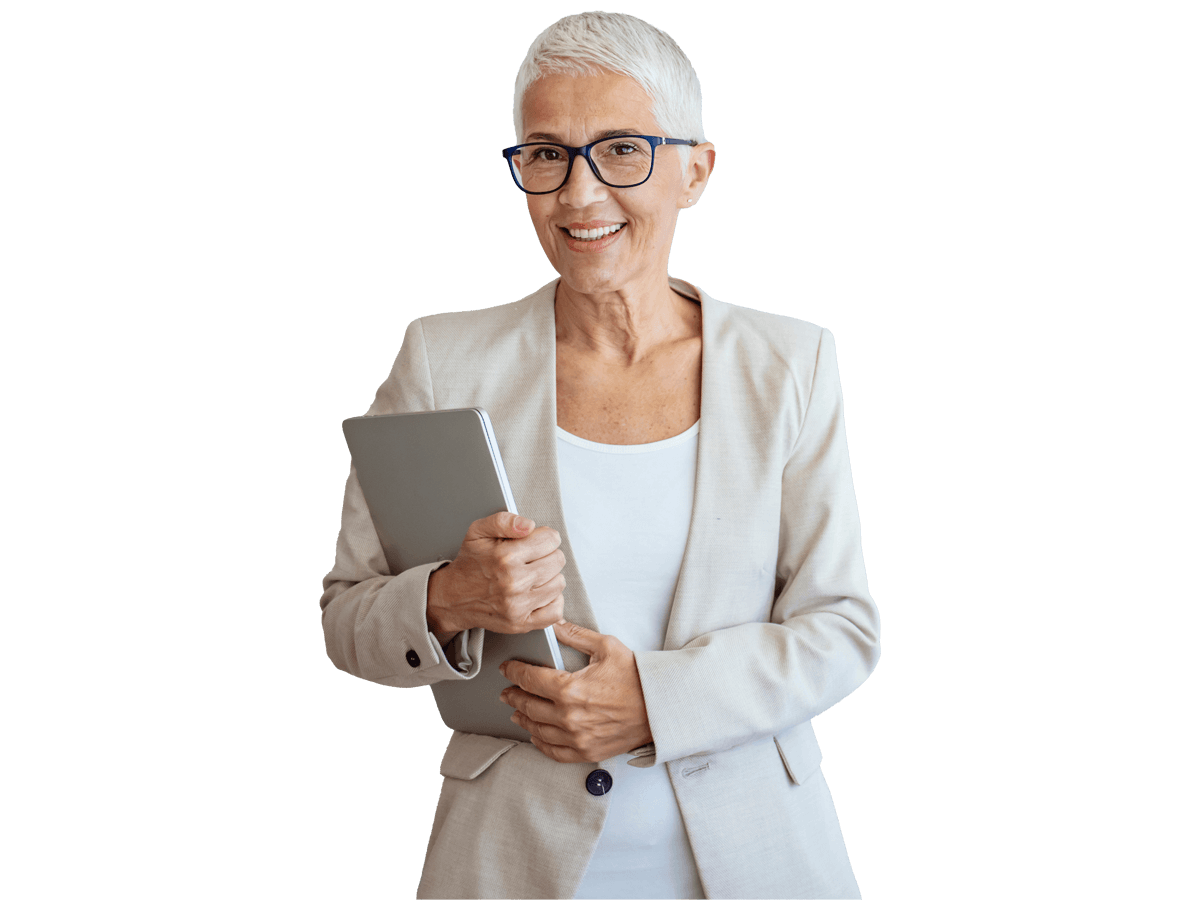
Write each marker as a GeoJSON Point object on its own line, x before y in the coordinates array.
{"type": "Point", "coordinates": [586, 152]}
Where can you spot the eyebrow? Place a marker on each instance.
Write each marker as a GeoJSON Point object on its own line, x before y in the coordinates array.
{"type": "Point", "coordinates": [555, 139]}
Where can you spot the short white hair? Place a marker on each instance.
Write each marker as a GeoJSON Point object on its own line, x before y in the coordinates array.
{"type": "Point", "coordinates": [594, 42]}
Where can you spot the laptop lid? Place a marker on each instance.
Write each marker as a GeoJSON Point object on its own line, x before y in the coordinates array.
{"type": "Point", "coordinates": [426, 477]}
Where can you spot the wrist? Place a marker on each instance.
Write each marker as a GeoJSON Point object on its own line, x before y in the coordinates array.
{"type": "Point", "coordinates": [438, 613]}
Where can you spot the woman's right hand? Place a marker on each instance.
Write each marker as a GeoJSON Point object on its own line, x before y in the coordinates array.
{"type": "Point", "coordinates": [506, 578]}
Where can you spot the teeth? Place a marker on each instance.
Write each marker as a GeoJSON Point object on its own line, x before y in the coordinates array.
{"type": "Point", "coordinates": [591, 234]}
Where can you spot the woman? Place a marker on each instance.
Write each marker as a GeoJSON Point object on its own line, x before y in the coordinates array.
{"type": "Point", "coordinates": [692, 531]}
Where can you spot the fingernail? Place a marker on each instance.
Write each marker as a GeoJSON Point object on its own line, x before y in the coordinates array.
{"type": "Point", "coordinates": [513, 718]}
{"type": "Point", "coordinates": [523, 524]}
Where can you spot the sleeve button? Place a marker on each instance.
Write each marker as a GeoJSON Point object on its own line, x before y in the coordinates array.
{"type": "Point", "coordinates": [413, 659]}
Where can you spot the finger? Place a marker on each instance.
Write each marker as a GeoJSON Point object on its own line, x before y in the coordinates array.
{"type": "Point", "coordinates": [557, 753]}
{"type": "Point", "coordinates": [540, 588]}
{"type": "Point", "coordinates": [540, 543]}
{"type": "Point", "coordinates": [551, 734]}
{"type": "Point", "coordinates": [547, 614]}
{"type": "Point", "coordinates": [544, 573]}
{"type": "Point", "coordinates": [528, 552]}
{"type": "Point", "coordinates": [503, 524]}
{"type": "Point", "coordinates": [541, 681]}
{"type": "Point", "coordinates": [531, 706]}
{"type": "Point", "coordinates": [544, 539]}
{"type": "Point", "coordinates": [548, 577]}
{"type": "Point", "coordinates": [529, 619]}
{"type": "Point", "coordinates": [536, 619]}
{"type": "Point", "coordinates": [538, 562]}
{"type": "Point", "coordinates": [590, 642]}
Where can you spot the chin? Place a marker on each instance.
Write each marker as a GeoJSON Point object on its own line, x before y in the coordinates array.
{"type": "Point", "coordinates": [592, 282]}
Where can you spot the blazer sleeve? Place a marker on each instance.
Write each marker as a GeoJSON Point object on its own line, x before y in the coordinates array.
{"type": "Point", "coordinates": [758, 679]}
{"type": "Point", "coordinates": [375, 622]}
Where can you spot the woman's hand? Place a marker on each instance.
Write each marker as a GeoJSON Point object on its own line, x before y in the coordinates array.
{"type": "Point", "coordinates": [589, 715]}
{"type": "Point", "coordinates": [506, 578]}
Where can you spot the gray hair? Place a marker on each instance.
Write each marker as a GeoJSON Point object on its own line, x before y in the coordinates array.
{"type": "Point", "coordinates": [593, 42]}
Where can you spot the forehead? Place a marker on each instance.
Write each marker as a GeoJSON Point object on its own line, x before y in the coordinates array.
{"type": "Point", "coordinates": [576, 107]}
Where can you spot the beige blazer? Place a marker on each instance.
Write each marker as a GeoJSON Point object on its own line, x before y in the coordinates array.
{"type": "Point", "coordinates": [771, 622]}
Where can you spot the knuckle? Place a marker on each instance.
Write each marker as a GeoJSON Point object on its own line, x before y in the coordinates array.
{"type": "Point", "coordinates": [570, 695]}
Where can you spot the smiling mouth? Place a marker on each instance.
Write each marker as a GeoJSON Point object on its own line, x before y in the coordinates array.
{"type": "Point", "coordinates": [593, 234]}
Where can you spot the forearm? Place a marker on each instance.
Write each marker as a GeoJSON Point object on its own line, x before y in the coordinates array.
{"type": "Point", "coordinates": [378, 629]}
{"type": "Point", "coordinates": [756, 680]}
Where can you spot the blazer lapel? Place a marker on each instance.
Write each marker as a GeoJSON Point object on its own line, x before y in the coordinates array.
{"type": "Point", "coordinates": [713, 455]}
{"type": "Point", "coordinates": [530, 414]}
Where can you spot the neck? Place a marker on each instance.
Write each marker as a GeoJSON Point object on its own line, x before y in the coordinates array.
{"type": "Point", "coordinates": [626, 324]}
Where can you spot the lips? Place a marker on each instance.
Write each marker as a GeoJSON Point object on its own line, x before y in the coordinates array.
{"type": "Point", "coordinates": [581, 240]}
{"type": "Point", "coordinates": [594, 234]}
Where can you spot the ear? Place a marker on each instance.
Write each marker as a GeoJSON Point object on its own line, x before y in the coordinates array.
{"type": "Point", "coordinates": [696, 172]}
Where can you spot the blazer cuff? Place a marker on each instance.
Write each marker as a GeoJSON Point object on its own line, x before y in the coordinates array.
{"type": "Point", "coordinates": [424, 660]}
{"type": "Point", "coordinates": [464, 651]}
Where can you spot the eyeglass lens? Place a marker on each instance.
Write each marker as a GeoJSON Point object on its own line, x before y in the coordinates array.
{"type": "Point", "coordinates": [622, 161]}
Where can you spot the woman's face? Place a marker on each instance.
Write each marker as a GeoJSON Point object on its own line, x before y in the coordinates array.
{"type": "Point", "coordinates": [576, 110]}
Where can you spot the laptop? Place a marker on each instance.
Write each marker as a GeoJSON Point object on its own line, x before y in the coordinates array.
{"type": "Point", "coordinates": [426, 477]}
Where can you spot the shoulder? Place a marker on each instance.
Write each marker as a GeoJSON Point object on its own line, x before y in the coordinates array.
{"type": "Point", "coordinates": [760, 339]}
{"type": "Point", "coordinates": [460, 331]}
{"type": "Point", "coordinates": [480, 357]}
{"type": "Point", "coordinates": [773, 329]}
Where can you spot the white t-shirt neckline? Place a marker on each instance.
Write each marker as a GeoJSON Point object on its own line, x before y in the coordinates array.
{"type": "Point", "coordinates": [629, 448]}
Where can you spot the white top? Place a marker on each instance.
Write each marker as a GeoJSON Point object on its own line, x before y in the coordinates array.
{"type": "Point", "coordinates": [627, 510]}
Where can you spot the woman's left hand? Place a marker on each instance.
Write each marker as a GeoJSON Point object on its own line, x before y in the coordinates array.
{"type": "Point", "coordinates": [585, 716]}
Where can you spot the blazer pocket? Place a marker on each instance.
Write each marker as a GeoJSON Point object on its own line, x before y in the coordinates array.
{"type": "Point", "coordinates": [469, 755]}
{"type": "Point", "coordinates": [799, 751]}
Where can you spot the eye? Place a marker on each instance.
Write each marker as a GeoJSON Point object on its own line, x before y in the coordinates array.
{"type": "Point", "coordinates": [545, 153]}
{"type": "Point", "coordinates": [623, 148]}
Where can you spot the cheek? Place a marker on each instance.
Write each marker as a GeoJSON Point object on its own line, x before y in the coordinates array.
{"type": "Point", "coordinates": [539, 213]}
{"type": "Point", "coordinates": [546, 233]}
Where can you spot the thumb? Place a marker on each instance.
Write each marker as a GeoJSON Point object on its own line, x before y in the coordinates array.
{"type": "Point", "coordinates": [590, 642]}
{"type": "Point", "coordinates": [501, 525]}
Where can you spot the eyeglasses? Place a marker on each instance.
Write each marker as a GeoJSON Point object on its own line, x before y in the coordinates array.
{"type": "Point", "coordinates": [623, 161]}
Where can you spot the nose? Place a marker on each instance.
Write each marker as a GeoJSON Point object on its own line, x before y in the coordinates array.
{"type": "Point", "coordinates": [583, 188]}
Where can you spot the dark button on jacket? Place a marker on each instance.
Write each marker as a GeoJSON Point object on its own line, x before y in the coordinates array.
{"type": "Point", "coordinates": [599, 782]}
{"type": "Point", "coordinates": [413, 659]}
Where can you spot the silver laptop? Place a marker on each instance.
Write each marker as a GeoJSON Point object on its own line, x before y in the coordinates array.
{"type": "Point", "coordinates": [426, 477]}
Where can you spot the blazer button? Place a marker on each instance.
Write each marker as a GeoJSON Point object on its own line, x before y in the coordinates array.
{"type": "Point", "coordinates": [599, 783]}
{"type": "Point", "coordinates": [413, 659]}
